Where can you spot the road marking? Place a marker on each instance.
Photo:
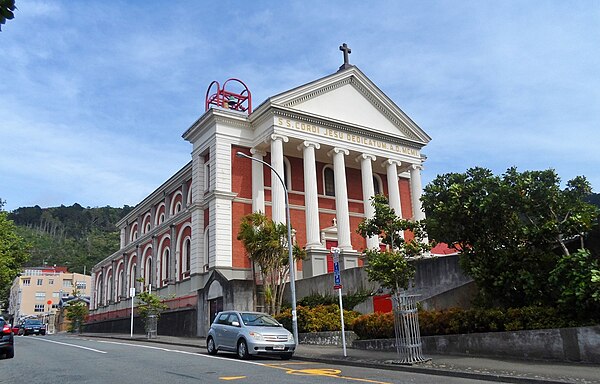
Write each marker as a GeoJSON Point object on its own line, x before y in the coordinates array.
{"type": "Point", "coordinates": [69, 345]}
{"type": "Point", "coordinates": [334, 373]}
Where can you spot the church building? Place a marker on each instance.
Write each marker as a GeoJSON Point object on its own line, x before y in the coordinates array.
{"type": "Point", "coordinates": [333, 142]}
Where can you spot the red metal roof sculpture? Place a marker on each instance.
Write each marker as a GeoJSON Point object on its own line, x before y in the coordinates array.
{"type": "Point", "coordinates": [237, 97]}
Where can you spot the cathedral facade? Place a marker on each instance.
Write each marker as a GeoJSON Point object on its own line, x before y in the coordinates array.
{"type": "Point", "coordinates": [333, 142]}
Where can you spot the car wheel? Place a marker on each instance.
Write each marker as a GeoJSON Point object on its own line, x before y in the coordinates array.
{"type": "Point", "coordinates": [210, 346]}
{"type": "Point", "coordinates": [242, 350]}
{"type": "Point", "coordinates": [10, 354]}
{"type": "Point", "coordinates": [286, 356]}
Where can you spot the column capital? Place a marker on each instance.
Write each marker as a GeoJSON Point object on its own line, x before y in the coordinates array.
{"type": "Point", "coordinates": [259, 152]}
{"type": "Point", "coordinates": [389, 162]}
{"type": "Point", "coordinates": [365, 156]}
{"type": "Point", "coordinates": [307, 144]}
{"type": "Point", "coordinates": [277, 136]}
{"type": "Point", "coordinates": [416, 167]}
{"type": "Point", "coordinates": [338, 150]}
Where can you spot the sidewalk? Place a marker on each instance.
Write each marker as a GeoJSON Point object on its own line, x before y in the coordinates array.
{"type": "Point", "coordinates": [471, 367]}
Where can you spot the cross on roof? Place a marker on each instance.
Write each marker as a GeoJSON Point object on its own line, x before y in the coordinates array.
{"type": "Point", "coordinates": [344, 48]}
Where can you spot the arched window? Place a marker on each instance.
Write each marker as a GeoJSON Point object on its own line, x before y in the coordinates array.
{"type": "Point", "coordinates": [132, 276]}
{"type": "Point", "coordinates": [187, 252]}
{"type": "Point", "coordinates": [120, 285]}
{"type": "Point", "coordinates": [328, 181]}
{"type": "Point", "coordinates": [109, 288]}
{"type": "Point", "coordinates": [287, 174]}
{"type": "Point", "coordinates": [165, 266]}
{"type": "Point", "coordinates": [161, 218]}
{"type": "Point", "coordinates": [177, 207]}
{"type": "Point", "coordinates": [377, 185]}
{"type": "Point", "coordinates": [148, 272]}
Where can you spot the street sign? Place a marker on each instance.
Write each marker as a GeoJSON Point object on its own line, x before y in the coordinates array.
{"type": "Point", "coordinates": [337, 280]}
{"type": "Point", "coordinates": [131, 292]}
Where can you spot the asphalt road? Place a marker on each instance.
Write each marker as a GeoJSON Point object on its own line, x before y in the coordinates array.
{"type": "Point", "coordinates": [73, 360]}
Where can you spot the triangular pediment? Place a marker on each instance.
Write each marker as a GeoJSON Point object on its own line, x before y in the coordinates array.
{"type": "Point", "coordinates": [348, 96]}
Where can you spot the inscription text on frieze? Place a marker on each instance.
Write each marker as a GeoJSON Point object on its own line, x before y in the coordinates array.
{"type": "Point", "coordinates": [346, 137]}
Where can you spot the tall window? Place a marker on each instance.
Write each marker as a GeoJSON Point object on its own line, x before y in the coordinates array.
{"type": "Point", "coordinates": [377, 185]}
{"type": "Point", "coordinates": [26, 282]}
{"type": "Point", "coordinates": [329, 181]}
{"type": "Point", "coordinates": [287, 174]}
{"type": "Point", "coordinates": [206, 176]}
{"type": "Point", "coordinates": [148, 271]}
{"type": "Point", "coordinates": [40, 281]}
{"type": "Point", "coordinates": [187, 250]}
{"type": "Point", "coordinates": [165, 264]}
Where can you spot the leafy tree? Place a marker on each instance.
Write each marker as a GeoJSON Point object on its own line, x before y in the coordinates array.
{"type": "Point", "coordinates": [266, 245]}
{"type": "Point", "coordinates": [391, 267]}
{"type": "Point", "coordinates": [149, 304]}
{"type": "Point", "coordinates": [510, 230]}
{"type": "Point", "coordinates": [6, 11]}
{"type": "Point", "coordinates": [77, 312]}
{"type": "Point", "coordinates": [13, 254]}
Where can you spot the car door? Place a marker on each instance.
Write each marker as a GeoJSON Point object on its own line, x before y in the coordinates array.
{"type": "Point", "coordinates": [230, 331]}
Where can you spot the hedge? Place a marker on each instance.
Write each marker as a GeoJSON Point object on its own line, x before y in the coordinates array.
{"type": "Point", "coordinates": [321, 318]}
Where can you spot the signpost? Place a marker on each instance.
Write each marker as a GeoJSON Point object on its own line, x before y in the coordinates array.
{"type": "Point", "coordinates": [337, 284]}
{"type": "Point", "coordinates": [132, 295]}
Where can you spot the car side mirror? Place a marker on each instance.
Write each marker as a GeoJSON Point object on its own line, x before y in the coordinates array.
{"type": "Point", "coordinates": [235, 323]}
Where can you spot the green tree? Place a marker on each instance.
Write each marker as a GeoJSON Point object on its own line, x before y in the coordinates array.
{"type": "Point", "coordinates": [77, 312]}
{"type": "Point", "coordinates": [510, 230]}
{"type": "Point", "coordinates": [391, 267]}
{"type": "Point", "coordinates": [13, 254]}
{"type": "Point", "coordinates": [266, 245]}
{"type": "Point", "coordinates": [150, 304]}
{"type": "Point", "coordinates": [7, 8]}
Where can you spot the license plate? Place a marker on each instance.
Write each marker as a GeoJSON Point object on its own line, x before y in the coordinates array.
{"type": "Point", "coordinates": [278, 347]}
{"type": "Point", "coordinates": [36, 330]}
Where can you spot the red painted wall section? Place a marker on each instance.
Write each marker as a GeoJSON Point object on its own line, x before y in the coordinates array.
{"type": "Point", "coordinates": [382, 304]}
{"type": "Point", "coordinates": [206, 218]}
{"type": "Point", "coordinates": [239, 259]}
{"type": "Point", "coordinates": [297, 167]}
{"type": "Point", "coordinates": [241, 173]}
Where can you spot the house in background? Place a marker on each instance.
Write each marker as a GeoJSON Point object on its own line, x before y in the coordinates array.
{"type": "Point", "coordinates": [335, 142]}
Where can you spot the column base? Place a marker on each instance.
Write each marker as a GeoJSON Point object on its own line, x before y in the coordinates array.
{"type": "Point", "coordinates": [349, 259]}
{"type": "Point", "coordinates": [315, 263]}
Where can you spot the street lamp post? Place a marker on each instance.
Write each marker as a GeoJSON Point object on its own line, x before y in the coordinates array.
{"type": "Point", "coordinates": [289, 240]}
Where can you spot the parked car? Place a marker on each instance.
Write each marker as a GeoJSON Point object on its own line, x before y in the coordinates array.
{"type": "Point", "coordinates": [7, 345]}
{"type": "Point", "coordinates": [15, 329]}
{"type": "Point", "coordinates": [32, 327]}
{"type": "Point", "coordinates": [249, 333]}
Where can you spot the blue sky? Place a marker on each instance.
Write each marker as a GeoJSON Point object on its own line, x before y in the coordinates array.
{"type": "Point", "coordinates": [96, 94]}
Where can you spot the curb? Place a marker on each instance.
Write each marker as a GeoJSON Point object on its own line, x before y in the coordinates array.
{"type": "Point", "coordinates": [370, 364]}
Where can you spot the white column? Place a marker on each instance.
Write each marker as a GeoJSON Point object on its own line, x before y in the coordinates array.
{"type": "Point", "coordinates": [277, 191]}
{"type": "Point", "coordinates": [393, 187]}
{"type": "Point", "coordinates": [341, 198]}
{"type": "Point", "coordinates": [258, 181]}
{"type": "Point", "coordinates": [416, 191]}
{"type": "Point", "coordinates": [368, 191]}
{"type": "Point", "coordinates": [311, 199]}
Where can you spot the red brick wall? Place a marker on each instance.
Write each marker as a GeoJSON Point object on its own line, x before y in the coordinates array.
{"type": "Point", "coordinates": [241, 177]}
{"type": "Point", "coordinates": [239, 257]}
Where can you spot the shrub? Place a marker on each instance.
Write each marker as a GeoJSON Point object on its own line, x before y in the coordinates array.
{"type": "Point", "coordinates": [374, 326]}
{"type": "Point", "coordinates": [321, 318]}
{"type": "Point", "coordinates": [457, 321]}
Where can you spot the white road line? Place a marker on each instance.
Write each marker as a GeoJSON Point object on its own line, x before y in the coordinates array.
{"type": "Point", "coordinates": [176, 351]}
{"type": "Point", "coordinates": [69, 345]}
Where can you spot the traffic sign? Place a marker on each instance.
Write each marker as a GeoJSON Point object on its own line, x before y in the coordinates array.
{"type": "Point", "coordinates": [337, 280]}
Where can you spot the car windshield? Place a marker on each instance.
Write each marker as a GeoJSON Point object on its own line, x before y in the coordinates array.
{"type": "Point", "coordinates": [259, 319]}
{"type": "Point", "coordinates": [33, 322]}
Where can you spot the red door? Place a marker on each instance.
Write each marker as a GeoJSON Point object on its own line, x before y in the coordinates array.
{"type": "Point", "coordinates": [330, 244]}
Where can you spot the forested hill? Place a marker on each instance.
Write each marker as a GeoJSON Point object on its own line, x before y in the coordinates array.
{"type": "Point", "coordinates": [75, 237]}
